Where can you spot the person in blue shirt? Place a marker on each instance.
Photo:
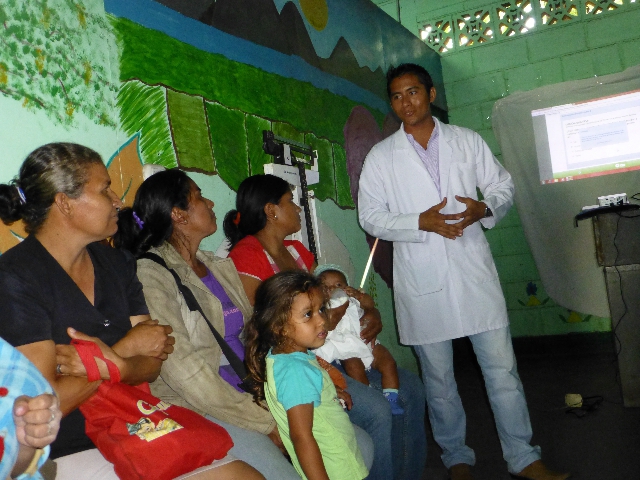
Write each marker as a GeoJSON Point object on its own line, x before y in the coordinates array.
{"type": "Point", "coordinates": [29, 416]}
{"type": "Point", "coordinates": [289, 320]}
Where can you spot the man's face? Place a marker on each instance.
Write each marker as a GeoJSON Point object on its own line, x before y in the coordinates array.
{"type": "Point", "coordinates": [410, 100]}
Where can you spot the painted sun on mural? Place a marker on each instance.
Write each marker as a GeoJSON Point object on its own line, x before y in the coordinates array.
{"type": "Point", "coordinates": [316, 13]}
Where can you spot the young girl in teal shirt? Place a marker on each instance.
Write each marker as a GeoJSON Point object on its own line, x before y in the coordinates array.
{"type": "Point", "coordinates": [289, 319]}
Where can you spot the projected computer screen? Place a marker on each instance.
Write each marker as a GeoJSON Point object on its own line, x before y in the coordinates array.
{"type": "Point", "coordinates": [587, 139]}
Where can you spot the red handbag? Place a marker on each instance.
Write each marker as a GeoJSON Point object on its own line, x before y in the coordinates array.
{"type": "Point", "coordinates": [144, 437]}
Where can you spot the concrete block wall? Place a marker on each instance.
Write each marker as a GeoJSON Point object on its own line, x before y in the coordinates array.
{"type": "Point", "coordinates": [475, 77]}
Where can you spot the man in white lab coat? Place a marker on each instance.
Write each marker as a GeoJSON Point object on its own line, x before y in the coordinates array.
{"type": "Point", "coordinates": [418, 188]}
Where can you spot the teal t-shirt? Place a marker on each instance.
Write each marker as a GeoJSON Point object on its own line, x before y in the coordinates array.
{"type": "Point", "coordinates": [295, 379]}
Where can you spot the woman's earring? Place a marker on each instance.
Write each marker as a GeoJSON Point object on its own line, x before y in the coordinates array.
{"type": "Point", "coordinates": [275, 216]}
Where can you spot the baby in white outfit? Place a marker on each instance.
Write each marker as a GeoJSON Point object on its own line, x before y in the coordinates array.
{"type": "Point", "coordinates": [343, 342]}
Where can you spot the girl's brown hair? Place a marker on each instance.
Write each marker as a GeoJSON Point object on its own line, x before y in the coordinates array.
{"type": "Point", "coordinates": [271, 313]}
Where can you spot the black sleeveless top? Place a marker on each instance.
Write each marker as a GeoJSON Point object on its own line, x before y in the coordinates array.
{"type": "Point", "coordinates": [39, 301]}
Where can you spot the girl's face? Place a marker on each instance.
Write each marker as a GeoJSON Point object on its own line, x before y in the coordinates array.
{"type": "Point", "coordinates": [306, 328]}
{"type": "Point", "coordinates": [288, 214]}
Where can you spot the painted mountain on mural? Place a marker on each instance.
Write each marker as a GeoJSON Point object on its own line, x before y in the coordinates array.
{"type": "Point", "coordinates": [283, 31]}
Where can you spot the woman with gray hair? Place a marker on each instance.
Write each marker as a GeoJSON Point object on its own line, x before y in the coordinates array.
{"type": "Point", "coordinates": [63, 280]}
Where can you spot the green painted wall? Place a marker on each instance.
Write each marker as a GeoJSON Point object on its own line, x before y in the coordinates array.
{"type": "Point", "coordinates": [204, 124]}
{"type": "Point", "coordinates": [146, 52]}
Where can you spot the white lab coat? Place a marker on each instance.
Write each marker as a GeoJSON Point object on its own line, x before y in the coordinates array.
{"type": "Point", "coordinates": [443, 288]}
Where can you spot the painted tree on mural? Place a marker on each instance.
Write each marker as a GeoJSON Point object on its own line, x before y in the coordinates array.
{"type": "Point", "coordinates": [59, 56]}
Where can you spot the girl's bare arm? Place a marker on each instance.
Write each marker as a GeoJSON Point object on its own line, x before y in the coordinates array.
{"type": "Point", "coordinates": [300, 420]}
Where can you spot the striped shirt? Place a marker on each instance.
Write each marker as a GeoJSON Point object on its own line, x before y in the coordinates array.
{"type": "Point", "coordinates": [18, 376]}
{"type": "Point", "coordinates": [429, 156]}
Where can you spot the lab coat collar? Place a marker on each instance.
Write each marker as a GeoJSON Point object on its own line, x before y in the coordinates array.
{"type": "Point", "coordinates": [444, 156]}
{"type": "Point", "coordinates": [401, 142]}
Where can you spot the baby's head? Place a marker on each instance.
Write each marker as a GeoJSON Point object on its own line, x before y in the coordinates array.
{"type": "Point", "coordinates": [334, 280]}
{"type": "Point", "coordinates": [338, 303]}
{"type": "Point", "coordinates": [331, 277]}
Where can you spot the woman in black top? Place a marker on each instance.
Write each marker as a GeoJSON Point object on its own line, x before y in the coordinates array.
{"type": "Point", "coordinates": [60, 281]}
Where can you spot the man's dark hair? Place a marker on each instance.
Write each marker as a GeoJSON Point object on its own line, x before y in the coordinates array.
{"type": "Point", "coordinates": [409, 68]}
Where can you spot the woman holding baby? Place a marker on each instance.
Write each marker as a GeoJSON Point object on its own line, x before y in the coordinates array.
{"type": "Point", "coordinates": [265, 215]}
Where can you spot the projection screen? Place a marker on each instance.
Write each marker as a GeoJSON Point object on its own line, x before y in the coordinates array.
{"type": "Point", "coordinates": [565, 255]}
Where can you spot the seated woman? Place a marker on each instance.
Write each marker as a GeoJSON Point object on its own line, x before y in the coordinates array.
{"type": "Point", "coordinates": [170, 218]}
{"type": "Point", "coordinates": [61, 281]}
{"type": "Point", "coordinates": [265, 215]}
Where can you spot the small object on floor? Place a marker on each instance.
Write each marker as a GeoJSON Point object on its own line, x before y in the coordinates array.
{"type": "Point", "coordinates": [392, 398]}
{"type": "Point", "coordinates": [539, 471]}
{"type": "Point", "coordinates": [573, 400]}
{"type": "Point", "coordinates": [460, 471]}
{"type": "Point", "coordinates": [587, 404]}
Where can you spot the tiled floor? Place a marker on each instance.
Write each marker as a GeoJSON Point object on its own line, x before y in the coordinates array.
{"type": "Point", "coordinates": [602, 445]}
